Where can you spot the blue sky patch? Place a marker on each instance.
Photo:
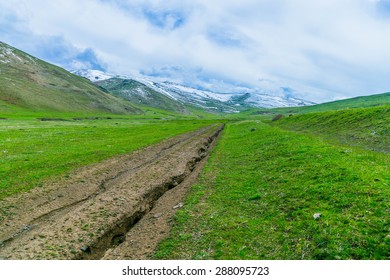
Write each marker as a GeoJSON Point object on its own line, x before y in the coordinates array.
{"type": "Point", "coordinates": [224, 37]}
{"type": "Point", "coordinates": [165, 19]}
{"type": "Point", "coordinates": [384, 7]}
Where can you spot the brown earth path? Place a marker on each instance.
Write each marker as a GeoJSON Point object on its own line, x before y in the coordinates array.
{"type": "Point", "coordinates": [118, 209]}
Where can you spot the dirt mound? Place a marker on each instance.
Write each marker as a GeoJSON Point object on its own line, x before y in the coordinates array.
{"type": "Point", "coordinates": [92, 212]}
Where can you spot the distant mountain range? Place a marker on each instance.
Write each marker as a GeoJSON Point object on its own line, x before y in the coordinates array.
{"type": "Point", "coordinates": [28, 83]}
{"type": "Point", "coordinates": [168, 95]}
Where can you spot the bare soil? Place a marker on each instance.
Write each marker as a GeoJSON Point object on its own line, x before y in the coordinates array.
{"type": "Point", "coordinates": [118, 209]}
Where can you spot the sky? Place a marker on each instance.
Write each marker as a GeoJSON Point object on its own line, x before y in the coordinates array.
{"type": "Point", "coordinates": [321, 50]}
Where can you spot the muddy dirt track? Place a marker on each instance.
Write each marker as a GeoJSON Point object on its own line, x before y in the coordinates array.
{"type": "Point", "coordinates": [118, 209]}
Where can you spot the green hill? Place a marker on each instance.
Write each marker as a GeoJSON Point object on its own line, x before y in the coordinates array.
{"type": "Point", "coordinates": [367, 128]}
{"type": "Point", "coordinates": [30, 84]}
{"type": "Point", "coordinates": [374, 100]}
{"type": "Point", "coordinates": [356, 102]}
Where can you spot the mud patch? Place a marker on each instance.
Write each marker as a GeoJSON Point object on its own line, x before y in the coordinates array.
{"type": "Point", "coordinates": [92, 211]}
{"type": "Point", "coordinates": [141, 240]}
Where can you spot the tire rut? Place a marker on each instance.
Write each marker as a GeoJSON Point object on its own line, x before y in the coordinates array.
{"type": "Point", "coordinates": [83, 216]}
{"type": "Point", "coordinates": [80, 187]}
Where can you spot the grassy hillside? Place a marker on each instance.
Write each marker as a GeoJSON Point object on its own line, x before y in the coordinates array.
{"type": "Point", "coordinates": [356, 102]}
{"type": "Point", "coordinates": [30, 84]}
{"type": "Point", "coordinates": [260, 191]}
{"type": "Point", "coordinates": [368, 128]}
{"type": "Point", "coordinates": [138, 93]}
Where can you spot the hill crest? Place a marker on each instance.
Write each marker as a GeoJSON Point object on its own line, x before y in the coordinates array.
{"type": "Point", "coordinates": [29, 83]}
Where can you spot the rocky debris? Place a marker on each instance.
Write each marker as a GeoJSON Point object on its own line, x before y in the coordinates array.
{"type": "Point", "coordinates": [85, 249]}
{"type": "Point", "coordinates": [26, 227]}
{"type": "Point", "coordinates": [180, 205]}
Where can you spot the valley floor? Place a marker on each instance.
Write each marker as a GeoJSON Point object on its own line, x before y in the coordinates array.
{"type": "Point", "coordinates": [265, 193]}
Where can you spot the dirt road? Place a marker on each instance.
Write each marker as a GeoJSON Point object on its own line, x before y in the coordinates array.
{"type": "Point", "coordinates": [118, 209]}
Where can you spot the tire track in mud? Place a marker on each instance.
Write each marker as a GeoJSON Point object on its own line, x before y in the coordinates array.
{"type": "Point", "coordinates": [93, 210]}
{"type": "Point", "coordinates": [82, 186]}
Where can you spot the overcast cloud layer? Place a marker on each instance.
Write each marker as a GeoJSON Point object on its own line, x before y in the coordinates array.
{"type": "Point", "coordinates": [324, 50]}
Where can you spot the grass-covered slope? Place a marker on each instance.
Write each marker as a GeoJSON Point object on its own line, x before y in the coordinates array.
{"type": "Point", "coordinates": [374, 100]}
{"type": "Point", "coordinates": [356, 102]}
{"type": "Point", "coordinates": [263, 185]}
{"type": "Point", "coordinates": [368, 128]}
{"type": "Point", "coordinates": [30, 84]}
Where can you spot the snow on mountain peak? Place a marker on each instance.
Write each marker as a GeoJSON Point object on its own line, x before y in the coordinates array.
{"type": "Point", "coordinates": [93, 75]}
{"type": "Point", "coordinates": [226, 102]}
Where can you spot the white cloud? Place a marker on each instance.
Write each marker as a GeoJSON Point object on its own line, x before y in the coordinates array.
{"type": "Point", "coordinates": [324, 49]}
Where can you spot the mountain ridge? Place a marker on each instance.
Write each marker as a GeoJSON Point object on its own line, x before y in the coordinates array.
{"type": "Point", "coordinates": [28, 83]}
{"type": "Point", "coordinates": [140, 94]}
{"type": "Point", "coordinates": [207, 100]}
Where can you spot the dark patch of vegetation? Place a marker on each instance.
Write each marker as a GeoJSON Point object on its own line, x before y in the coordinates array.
{"type": "Point", "coordinates": [277, 117]}
{"type": "Point", "coordinates": [52, 119]}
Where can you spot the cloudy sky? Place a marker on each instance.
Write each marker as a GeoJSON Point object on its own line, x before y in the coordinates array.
{"type": "Point", "coordinates": [323, 49]}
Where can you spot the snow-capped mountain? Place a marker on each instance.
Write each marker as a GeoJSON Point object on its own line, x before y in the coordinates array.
{"type": "Point", "coordinates": [208, 100]}
{"type": "Point", "coordinates": [250, 98]}
{"type": "Point", "coordinates": [93, 75]}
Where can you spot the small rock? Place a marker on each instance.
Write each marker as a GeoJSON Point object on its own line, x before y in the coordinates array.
{"type": "Point", "coordinates": [26, 227]}
{"type": "Point", "coordinates": [317, 215]}
{"type": "Point", "coordinates": [158, 215]}
{"type": "Point", "coordinates": [180, 205]}
{"type": "Point", "coordinates": [85, 249]}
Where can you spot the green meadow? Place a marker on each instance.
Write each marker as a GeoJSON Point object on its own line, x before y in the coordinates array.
{"type": "Point", "coordinates": [262, 188]}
